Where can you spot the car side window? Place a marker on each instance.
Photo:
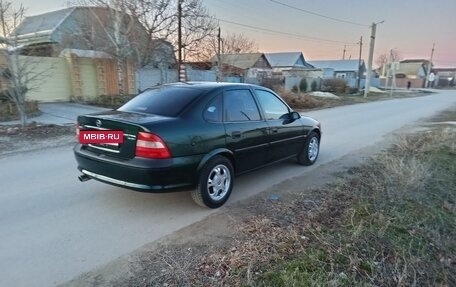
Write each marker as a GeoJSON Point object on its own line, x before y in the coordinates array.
{"type": "Point", "coordinates": [213, 111]}
{"type": "Point", "coordinates": [273, 107]}
{"type": "Point", "coordinates": [240, 106]}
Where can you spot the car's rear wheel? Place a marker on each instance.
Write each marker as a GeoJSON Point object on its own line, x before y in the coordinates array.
{"type": "Point", "coordinates": [215, 183]}
{"type": "Point", "coordinates": [310, 151]}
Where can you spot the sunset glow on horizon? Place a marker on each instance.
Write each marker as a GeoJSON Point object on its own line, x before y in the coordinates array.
{"type": "Point", "coordinates": [324, 29]}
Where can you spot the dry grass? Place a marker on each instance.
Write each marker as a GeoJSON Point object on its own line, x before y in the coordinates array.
{"type": "Point", "coordinates": [301, 101]}
{"type": "Point", "coordinates": [391, 222]}
{"type": "Point", "coordinates": [305, 102]}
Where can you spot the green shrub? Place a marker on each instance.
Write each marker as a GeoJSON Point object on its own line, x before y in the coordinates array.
{"type": "Point", "coordinates": [294, 89]}
{"type": "Point", "coordinates": [303, 85]}
{"type": "Point", "coordinates": [313, 86]}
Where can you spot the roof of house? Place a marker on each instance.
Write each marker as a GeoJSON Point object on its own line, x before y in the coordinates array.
{"type": "Point", "coordinates": [243, 61]}
{"type": "Point", "coordinates": [337, 65]}
{"type": "Point", "coordinates": [46, 22]}
{"type": "Point", "coordinates": [287, 59]}
{"type": "Point", "coordinates": [44, 28]}
{"type": "Point", "coordinates": [415, 61]}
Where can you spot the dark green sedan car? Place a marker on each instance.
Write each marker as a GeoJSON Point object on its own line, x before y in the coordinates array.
{"type": "Point", "coordinates": [195, 136]}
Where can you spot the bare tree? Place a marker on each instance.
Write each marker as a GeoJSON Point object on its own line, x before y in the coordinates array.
{"type": "Point", "coordinates": [20, 73]}
{"type": "Point", "coordinates": [234, 43]}
{"type": "Point", "coordinates": [107, 26]}
{"type": "Point", "coordinates": [197, 26]}
{"type": "Point", "coordinates": [384, 58]}
{"type": "Point", "coordinates": [159, 19]}
{"type": "Point", "coordinates": [230, 43]}
{"type": "Point", "coordinates": [120, 29]}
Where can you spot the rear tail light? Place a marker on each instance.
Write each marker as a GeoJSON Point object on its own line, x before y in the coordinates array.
{"type": "Point", "coordinates": [151, 146]}
{"type": "Point", "coordinates": [77, 132]}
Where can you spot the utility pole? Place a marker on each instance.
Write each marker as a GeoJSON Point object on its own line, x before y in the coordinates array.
{"type": "Point", "coordinates": [219, 64]}
{"type": "Point", "coordinates": [343, 55]}
{"type": "Point", "coordinates": [371, 56]}
{"type": "Point", "coordinates": [429, 66]}
{"type": "Point", "coordinates": [359, 63]}
{"type": "Point", "coordinates": [180, 65]}
{"type": "Point", "coordinates": [392, 72]}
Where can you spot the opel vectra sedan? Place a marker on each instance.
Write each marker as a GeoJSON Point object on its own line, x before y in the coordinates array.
{"type": "Point", "coordinates": [195, 136]}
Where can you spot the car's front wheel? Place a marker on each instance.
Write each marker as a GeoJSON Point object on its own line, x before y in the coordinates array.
{"type": "Point", "coordinates": [311, 149]}
{"type": "Point", "coordinates": [215, 183]}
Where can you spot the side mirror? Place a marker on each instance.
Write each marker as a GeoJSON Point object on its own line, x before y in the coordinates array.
{"type": "Point", "coordinates": [294, 116]}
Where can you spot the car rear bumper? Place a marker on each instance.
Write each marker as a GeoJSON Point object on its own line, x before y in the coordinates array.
{"type": "Point", "coordinates": [141, 174]}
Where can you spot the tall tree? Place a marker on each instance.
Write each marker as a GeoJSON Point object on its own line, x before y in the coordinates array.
{"type": "Point", "coordinates": [159, 18]}
{"type": "Point", "coordinates": [111, 29]}
{"type": "Point", "coordinates": [197, 26]}
{"type": "Point", "coordinates": [20, 73]}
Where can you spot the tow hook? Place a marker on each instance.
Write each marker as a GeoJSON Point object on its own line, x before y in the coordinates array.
{"type": "Point", "coordinates": [84, 177]}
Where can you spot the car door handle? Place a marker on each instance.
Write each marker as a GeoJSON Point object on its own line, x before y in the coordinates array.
{"type": "Point", "coordinates": [236, 134]}
{"type": "Point", "coordinates": [274, 130]}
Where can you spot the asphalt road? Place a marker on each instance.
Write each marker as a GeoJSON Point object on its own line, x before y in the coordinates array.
{"type": "Point", "coordinates": [53, 228]}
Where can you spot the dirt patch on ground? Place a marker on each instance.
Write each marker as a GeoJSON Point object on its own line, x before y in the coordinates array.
{"type": "Point", "coordinates": [14, 138]}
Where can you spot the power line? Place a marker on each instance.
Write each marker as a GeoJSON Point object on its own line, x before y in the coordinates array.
{"type": "Point", "coordinates": [283, 33]}
{"type": "Point", "coordinates": [319, 15]}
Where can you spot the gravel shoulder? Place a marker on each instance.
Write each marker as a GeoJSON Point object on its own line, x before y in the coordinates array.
{"type": "Point", "coordinates": [14, 139]}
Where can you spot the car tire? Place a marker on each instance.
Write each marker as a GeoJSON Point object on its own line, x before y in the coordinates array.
{"type": "Point", "coordinates": [310, 151]}
{"type": "Point", "coordinates": [215, 183]}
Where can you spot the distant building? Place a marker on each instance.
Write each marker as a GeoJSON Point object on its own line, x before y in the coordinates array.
{"type": "Point", "coordinates": [79, 44]}
{"type": "Point", "coordinates": [445, 77]}
{"type": "Point", "coordinates": [286, 61]}
{"type": "Point", "coordinates": [248, 67]}
{"type": "Point", "coordinates": [291, 68]}
{"type": "Point", "coordinates": [348, 70]}
{"type": "Point", "coordinates": [407, 71]}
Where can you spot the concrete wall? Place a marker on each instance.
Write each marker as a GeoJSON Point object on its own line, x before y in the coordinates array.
{"type": "Point", "coordinates": [149, 77]}
{"type": "Point", "coordinates": [52, 78]}
{"type": "Point", "coordinates": [88, 79]}
{"type": "Point", "coordinates": [402, 83]}
{"type": "Point", "coordinates": [201, 75]}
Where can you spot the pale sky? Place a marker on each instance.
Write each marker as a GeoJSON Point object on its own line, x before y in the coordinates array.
{"type": "Point", "coordinates": [411, 26]}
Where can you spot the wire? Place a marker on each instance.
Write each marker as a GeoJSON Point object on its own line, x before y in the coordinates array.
{"type": "Point", "coordinates": [319, 15]}
{"type": "Point", "coordinates": [283, 33]}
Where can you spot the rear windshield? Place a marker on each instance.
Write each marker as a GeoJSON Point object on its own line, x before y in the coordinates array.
{"type": "Point", "coordinates": [163, 101]}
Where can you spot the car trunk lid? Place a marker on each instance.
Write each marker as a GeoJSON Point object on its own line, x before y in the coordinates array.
{"type": "Point", "coordinates": [129, 123]}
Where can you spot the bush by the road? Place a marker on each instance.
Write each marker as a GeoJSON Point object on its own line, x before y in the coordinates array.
{"type": "Point", "coordinates": [334, 85]}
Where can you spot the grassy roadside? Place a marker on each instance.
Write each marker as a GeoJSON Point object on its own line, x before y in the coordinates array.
{"type": "Point", "coordinates": [305, 102]}
{"type": "Point", "coordinates": [389, 222]}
